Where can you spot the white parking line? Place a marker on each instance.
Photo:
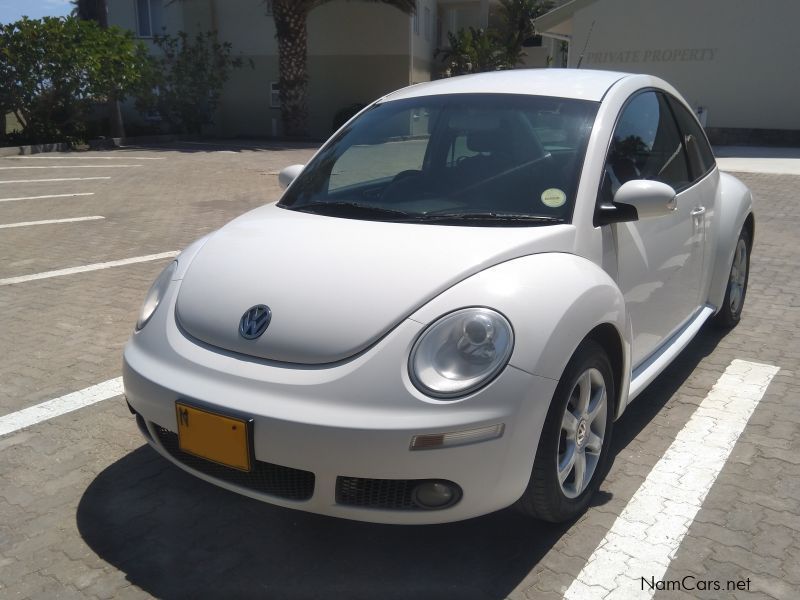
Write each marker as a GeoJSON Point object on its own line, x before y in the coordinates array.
{"type": "Point", "coordinates": [68, 167]}
{"type": "Point", "coordinates": [58, 179]}
{"type": "Point", "coordinates": [645, 537]}
{"type": "Point", "coordinates": [50, 222]}
{"type": "Point", "coordinates": [59, 406]}
{"type": "Point", "coordinates": [85, 268]}
{"type": "Point", "coordinates": [128, 157]}
{"type": "Point", "coordinates": [47, 196]}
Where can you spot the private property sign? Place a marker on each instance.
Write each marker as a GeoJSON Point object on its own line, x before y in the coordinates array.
{"type": "Point", "coordinates": [651, 55]}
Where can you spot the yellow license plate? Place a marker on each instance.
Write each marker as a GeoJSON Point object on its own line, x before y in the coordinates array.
{"type": "Point", "coordinates": [215, 437]}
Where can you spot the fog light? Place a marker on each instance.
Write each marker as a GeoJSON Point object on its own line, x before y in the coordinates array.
{"type": "Point", "coordinates": [436, 494]}
{"type": "Point", "coordinates": [430, 441]}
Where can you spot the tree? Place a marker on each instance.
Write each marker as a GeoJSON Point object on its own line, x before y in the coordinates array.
{"type": "Point", "coordinates": [472, 51]}
{"type": "Point", "coordinates": [502, 47]}
{"type": "Point", "coordinates": [516, 27]}
{"type": "Point", "coordinates": [97, 11]}
{"type": "Point", "coordinates": [54, 70]}
{"type": "Point", "coordinates": [291, 32]}
{"type": "Point", "coordinates": [91, 10]}
{"type": "Point", "coordinates": [187, 79]}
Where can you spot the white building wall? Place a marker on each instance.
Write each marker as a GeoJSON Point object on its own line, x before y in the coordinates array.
{"type": "Point", "coordinates": [736, 58]}
{"type": "Point", "coordinates": [423, 40]}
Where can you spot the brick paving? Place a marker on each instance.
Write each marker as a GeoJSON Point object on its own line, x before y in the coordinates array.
{"type": "Point", "coordinates": [88, 511]}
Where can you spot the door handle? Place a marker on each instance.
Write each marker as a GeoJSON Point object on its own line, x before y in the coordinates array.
{"type": "Point", "coordinates": [700, 210]}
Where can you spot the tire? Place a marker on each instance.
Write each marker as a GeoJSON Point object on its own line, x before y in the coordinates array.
{"type": "Point", "coordinates": [555, 498]}
{"type": "Point", "coordinates": [731, 311]}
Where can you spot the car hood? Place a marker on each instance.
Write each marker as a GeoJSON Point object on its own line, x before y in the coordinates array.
{"type": "Point", "coordinates": [334, 286]}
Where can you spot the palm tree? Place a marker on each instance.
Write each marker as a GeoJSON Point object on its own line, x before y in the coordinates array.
{"type": "Point", "coordinates": [291, 17]}
{"type": "Point", "coordinates": [91, 10]}
{"type": "Point", "coordinates": [517, 17]}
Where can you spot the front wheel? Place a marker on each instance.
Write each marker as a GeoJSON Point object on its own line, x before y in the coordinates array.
{"type": "Point", "coordinates": [573, 447]}
{"type": "Point", "coordinates": [731, 311]}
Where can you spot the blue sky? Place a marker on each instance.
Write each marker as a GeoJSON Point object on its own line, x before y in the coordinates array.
{"type": "Point", "coordinates": [12, 10]}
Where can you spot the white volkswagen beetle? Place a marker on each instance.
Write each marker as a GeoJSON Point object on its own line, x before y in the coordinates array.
{"type": "Point", "coordinates": [450, 305]}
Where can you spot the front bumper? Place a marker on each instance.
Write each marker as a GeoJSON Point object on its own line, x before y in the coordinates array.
{"type": "Point", "coordinates": [353, 419]}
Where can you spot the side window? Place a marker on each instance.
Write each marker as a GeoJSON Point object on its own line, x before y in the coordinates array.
{"type": "Point", "coordinates": [646, 145]}
{"type": "Point", "coordinates": [701, 158]}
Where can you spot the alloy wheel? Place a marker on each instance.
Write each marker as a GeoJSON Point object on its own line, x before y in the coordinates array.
{"type": "Point", "coordinates": [583, 428]}
{"type": "Point", "coordinates": [738, 277]}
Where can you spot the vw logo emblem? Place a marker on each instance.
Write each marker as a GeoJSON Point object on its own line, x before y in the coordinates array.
{"type": "Point", "coordinates": [255, 321]}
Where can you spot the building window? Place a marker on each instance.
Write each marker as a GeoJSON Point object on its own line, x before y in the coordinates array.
{"type": "Point", "coordinates": [416, 17]}
{"type": "Point", "coordinates": [427, 23]}
{"type": "Point", "coordinates": [274, 95]}
{"type": "Point", "coordinates": [148, 17]}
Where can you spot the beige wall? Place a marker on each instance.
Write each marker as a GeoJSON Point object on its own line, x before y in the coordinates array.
{"type": "Point", "coordinates": [357, 28]}
{"type": "Point", "coordinates": [736, 58]}
{"type": "Point", "coordinates": [335, 82]}
{"type": "Point", "coordinates": [245, 107]}
{"type": "Point", "coordinates": [339, 81]}
{"type": "Point", "coordinates": [423, 49]}
{"type": "Point", "coordinates": [247, 26]}
{"type": "Point", "coordinates": [123, 14]}
{"type": "Point", "coordinates": [423, 69]}
{"type": "Point", "coordinates": [358, 51]}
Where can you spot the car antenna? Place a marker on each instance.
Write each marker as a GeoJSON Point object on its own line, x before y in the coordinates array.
{"type": "Point", "coordinates": [586, 45]}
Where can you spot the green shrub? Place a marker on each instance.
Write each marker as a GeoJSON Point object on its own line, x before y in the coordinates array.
{"type": "Point", "coordinates": [54, 70]}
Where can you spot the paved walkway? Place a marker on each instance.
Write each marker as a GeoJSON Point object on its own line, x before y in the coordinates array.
{"type": "Point", "coordinates": [89, 512]}
{"type": "Point", "coordinates": [753, 159]}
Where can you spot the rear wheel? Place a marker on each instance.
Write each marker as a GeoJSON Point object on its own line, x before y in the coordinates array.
{"type": "Point", "coordinates": [731, 311]}
{"type": "Point", "coordinates": [573, 448]}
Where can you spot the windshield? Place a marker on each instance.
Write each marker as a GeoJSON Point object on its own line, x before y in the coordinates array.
{"type": "Point", "coordinates": [488, 159]}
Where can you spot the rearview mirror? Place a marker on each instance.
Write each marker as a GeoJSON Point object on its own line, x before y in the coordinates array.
{"type": "Point", "coordinates": [649, 198]}
{"type": "Point", "coordinates": [288, 175]}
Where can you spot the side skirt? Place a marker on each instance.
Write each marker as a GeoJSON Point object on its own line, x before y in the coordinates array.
{"type": "Point", "coordinates": [652, 366]}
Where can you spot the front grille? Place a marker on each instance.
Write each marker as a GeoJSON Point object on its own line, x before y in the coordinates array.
{"type": "Point", "coordinates": [275, 480]}
{"type": "Point", "coordinates": [387, 494]}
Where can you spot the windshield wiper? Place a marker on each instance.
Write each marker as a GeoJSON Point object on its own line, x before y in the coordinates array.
{"type": "Point", "coordinates": [350, 208]}
{"type": "Point", "coordinates": [489, 216]}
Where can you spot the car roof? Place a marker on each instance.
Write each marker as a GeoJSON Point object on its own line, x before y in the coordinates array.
{"type": "Point", "coordinates": [583, 84]}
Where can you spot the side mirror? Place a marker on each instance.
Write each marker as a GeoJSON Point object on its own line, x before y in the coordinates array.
{"type": "Point", "coordinates": [288, 175]}
{"type": "Point", "coordinates": [649, 198]}
{"type": "Point", "coordinates": [638, 199]}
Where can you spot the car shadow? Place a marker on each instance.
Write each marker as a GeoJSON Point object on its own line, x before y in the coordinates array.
{"type": "Point", "coordinates": [178, 537]}
{"type": "Point", "coordinates": [653, 399]}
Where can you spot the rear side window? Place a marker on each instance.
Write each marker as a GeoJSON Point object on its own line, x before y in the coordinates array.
{"type": "Point", "coordinates": [701, 158]}
{"type": "Point", "coordinates": [647, 145]}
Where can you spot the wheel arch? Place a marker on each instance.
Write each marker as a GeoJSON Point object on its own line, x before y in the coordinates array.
{"type": "Point", "coordinates": [554, 301]}
{"type": "Point", "coordinates": [609, 337]}
{"type": "Point", "coordinates": [733, 211]}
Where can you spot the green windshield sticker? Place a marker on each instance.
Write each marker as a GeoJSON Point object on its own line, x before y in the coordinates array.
{"type": "Point", "coordinates": [553, 197]}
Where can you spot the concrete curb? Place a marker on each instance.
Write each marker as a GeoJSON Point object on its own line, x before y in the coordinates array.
{"type": "Point", "coordinates": [36, 149]}
{"type": "Point", "coordinates": [101, 144]}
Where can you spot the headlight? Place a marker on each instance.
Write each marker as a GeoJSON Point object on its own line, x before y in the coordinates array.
{"type": "Point", "coordinates": [461, 352]}
{"type": "Point", "coordinates": [155, 293]}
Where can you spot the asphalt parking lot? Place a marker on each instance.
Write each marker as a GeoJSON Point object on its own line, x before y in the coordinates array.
{"type": "Point", "coordinates": [88, 510]}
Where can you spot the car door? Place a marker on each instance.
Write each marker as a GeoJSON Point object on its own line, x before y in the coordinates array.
{"type": "Point", "coordinates": [705, 179]}
{"type": "Point", "coordinates": [659, 260]}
